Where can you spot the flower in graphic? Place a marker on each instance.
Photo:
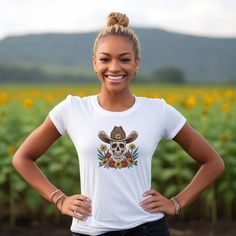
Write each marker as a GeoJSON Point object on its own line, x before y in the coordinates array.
{"type": "Point", "coordinates": [103, 148]}
{"type": "Point", "coordinates": [119, 154]}
{"type": "Point", "coordinates": [104, 162]}
{"type": "Point", "coordinates": [132, 146]}
{"type": "Point", "coordinates": [107, 155]}
{"type": "Point", "coordinates": [118, 164]}
{"type": "Point", "coordinates": [128, 155]}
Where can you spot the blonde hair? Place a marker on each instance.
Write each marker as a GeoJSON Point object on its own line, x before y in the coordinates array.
{"type": "Point", "coordinates": [117, 24]}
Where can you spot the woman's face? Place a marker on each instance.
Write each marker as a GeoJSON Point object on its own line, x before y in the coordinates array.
{"type": "Point", "coordinates": [115, 63]}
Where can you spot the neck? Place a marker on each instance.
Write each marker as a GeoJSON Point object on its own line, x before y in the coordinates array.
{"type": "Point", "coordinates": [119, 101]}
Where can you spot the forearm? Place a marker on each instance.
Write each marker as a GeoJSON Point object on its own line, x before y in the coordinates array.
{"type": "Point", "coordinates": [205, 176]}
{"type": "Point", "coordinates": [202, 152]}
{"type": "Point", "coordinates": [30, 171]}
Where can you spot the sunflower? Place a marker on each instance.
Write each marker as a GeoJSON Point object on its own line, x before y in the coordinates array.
{"type": "Point", "coordinates": [118, 164]}
{"type": "Point", "coordinates": [132, 146]}
{"type": "Point", "coordinates": [104, 162]}
{"type": "Point", "coordinates": [130, 161]}
{"type": "Point", "coordinates": [103, 148]}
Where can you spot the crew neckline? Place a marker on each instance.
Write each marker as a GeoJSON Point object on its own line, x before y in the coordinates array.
{"type": "Point", "coordinates": [100, 109]}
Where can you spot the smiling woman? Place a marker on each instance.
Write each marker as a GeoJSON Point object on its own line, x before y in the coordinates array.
{"type": "Point", "coordinates": [116, 60]}
{"type": "Point", "coordinates": [115, 134]}
{"type": "Point", "coordinates": [115, 66]}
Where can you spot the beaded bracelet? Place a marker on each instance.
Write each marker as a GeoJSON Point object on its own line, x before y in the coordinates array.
{"type": "Point", "coordinates": [53, 194]}
{"type": "Point", "coordinates": [176, 204]}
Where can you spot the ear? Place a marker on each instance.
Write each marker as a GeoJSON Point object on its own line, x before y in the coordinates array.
{"type": "Point", "coordinates": [136, 64]}
{"type": "Point", "coordinates": [94, 63]}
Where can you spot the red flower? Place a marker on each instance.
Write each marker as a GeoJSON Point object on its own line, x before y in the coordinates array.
{"type": "Point", "coordinates": [111, 164]}
{"type": "Point", "coordinates": [124, 163]}
{"type": "Point", "coordinates": [107, 155]}
{"type": "Point", "coordinates": [128, 155]}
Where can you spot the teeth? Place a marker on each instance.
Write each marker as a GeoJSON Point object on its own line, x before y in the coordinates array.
{"type": "Point", "coordinates": [115, 77]}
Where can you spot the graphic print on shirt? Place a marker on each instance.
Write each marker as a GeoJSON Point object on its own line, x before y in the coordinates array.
{"type": "Point", "coordinates": [121, 152]}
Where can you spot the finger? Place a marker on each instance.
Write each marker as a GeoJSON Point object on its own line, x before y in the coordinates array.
{"type": "Point", "coordinates": [155, 210]}
{"type": "Point", "coordinates": [79, 216]}
{"type": "Point", "coordinates": [152, 205]}
{"type": "Point", "coordinates": [83, 211]}
{"type": "Point", "coordinates": [151, 199]}
{"type": "Point", "coordinates": [151, 192]}
{"type": "Point", "coordinates": [81, 203]}
{"type": "Point", "coordinates": [81, 197]}
{"type": "Point", "coordinates": [82, 207]}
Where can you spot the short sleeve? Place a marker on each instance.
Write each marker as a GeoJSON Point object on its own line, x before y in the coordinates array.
{"type": "Point", "coordinates": [59, 114]}
{"type": "Point", "coordinates": [173, 121]}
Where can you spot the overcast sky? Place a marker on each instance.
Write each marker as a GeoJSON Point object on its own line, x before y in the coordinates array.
{"type": "Point", "coordinates": [197, 17]}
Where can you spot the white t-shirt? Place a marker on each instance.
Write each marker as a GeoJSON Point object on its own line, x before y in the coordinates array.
{"type": "Point", "coordinates": [115, 150]}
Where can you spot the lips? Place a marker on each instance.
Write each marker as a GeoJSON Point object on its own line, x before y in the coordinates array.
{"type": "Point", "coordinates": [115, 78]}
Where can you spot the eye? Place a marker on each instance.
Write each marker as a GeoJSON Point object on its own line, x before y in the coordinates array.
{"type": "Point", "coordinates": [122, 145]}
{"type": "Point", "coordinates": [114, 145]}
{"type": "Point", "coordinates": [103, 59]}
{"type": "Point", "coordinates": [125, 59]}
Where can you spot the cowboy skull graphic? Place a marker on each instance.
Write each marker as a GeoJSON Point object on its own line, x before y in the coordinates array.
{"type": "Point", "coordinates": [117, 140]}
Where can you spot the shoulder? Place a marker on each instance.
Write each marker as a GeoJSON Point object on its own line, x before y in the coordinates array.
{"type": "Point", "coordinates": [76, 100]}
{"type": "Point", "coordinates": [152, 102]}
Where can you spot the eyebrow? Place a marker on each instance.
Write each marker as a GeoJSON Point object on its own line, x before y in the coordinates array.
{"type": "Point", "coordinates": [122, 54]}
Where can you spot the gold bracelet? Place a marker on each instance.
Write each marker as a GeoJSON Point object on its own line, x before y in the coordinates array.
{"type": "Point", "coordinates": [53, 194]}
{"type": "Point", "coordinates": [176, 204]}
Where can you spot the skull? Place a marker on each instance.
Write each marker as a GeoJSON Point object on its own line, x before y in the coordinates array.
{"type": "Point", "coordinates": [117, 149]}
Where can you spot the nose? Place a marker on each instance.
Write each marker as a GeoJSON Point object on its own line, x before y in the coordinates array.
{"type": "Point", "coordinates": [114, 66]}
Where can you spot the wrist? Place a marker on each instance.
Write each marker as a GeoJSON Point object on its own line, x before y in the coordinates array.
{"type": "Point", "coordinates": [176, 204]}
{"type": "Point", "coordinates": [57, 197]}
{"type": "Point", "coordinates": [60, 202]}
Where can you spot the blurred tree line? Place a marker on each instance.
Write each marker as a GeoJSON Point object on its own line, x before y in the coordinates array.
{"type": "Point", "coordinates": [32, 73]}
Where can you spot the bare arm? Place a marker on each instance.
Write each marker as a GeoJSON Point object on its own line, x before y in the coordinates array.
{"type": "Point", "coordinates": [201, 151]}
{"type": "Point", "coordinates": [35, 145]}
{"type": "Point", "coordinates": [211, 168]}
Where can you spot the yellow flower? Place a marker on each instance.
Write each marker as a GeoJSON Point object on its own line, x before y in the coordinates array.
{"type": "Point", "coordinates": [3, 98]}
{"type": "Point", "coordinates": [191, 101]}
{"type": "Point", "coordinates": [118, 136]}
{"type": "Point", "coordinates": [132, 146]}
{"type": "Point", "coordinates": [208, 101]}
{"type": "Point", "coordinates": [28, 103]}
{"type": "Point", "coordinates": [229, 93]}
{"type": "Point", "coordinates": [103, 148]}
{"type": "Point", "coordinates": [130, 161]}
{"type": "Point", "coordinates": [11, 149]}
{"type": "Point", "coordinates": [118, 164]}
{"type": "Point", "coordinates": [105, 162]}
{"type": "Point", "coordinates": [49, 98]}
{"type": "Point", "coordinates": [170, 100]}
{"type": "Point", "coordinates": [226, 107]}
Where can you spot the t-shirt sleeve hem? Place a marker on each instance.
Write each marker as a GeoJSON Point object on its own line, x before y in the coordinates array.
{"type": "Point", "coordinates": [177, 129]}
{"type": "Point", "coordinates": [56, 124]}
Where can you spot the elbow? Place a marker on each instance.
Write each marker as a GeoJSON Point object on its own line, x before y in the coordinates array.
{"type": "Point", "coordinates": [221, 167]}
{"type": "Point", "coordinates": [15, 161]}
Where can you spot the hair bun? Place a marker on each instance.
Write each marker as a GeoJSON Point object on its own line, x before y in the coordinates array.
{"type": "Point", "coordinates": [116, 18]}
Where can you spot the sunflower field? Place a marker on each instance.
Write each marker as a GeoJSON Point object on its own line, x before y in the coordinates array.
{"type": "Point", "coordinates": [210, 110]}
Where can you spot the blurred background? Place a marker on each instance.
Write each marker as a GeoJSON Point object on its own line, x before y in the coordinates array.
{"type": "Point", "coordinates": [188, 57]}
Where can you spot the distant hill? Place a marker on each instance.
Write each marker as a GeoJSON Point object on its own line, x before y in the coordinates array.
{"type": "Point", "coordinates": [200, 57]}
